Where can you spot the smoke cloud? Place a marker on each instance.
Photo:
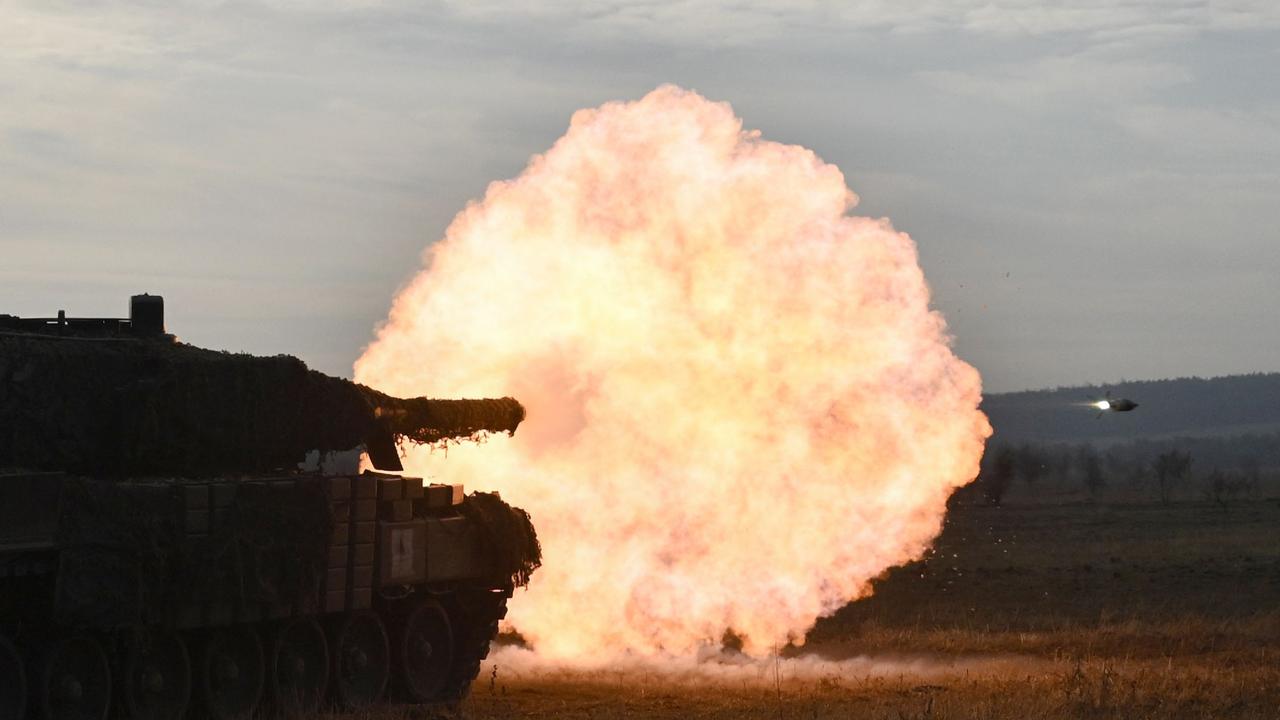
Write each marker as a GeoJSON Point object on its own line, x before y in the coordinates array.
{"type": "Point", "coordinates": [741, 408]}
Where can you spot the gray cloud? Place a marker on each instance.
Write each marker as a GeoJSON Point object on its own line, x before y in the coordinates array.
{"type": "Point", "coordinates": [277, 168]}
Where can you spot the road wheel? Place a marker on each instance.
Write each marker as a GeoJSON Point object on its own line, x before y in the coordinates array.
{"type": "Point", "coordinates": [361, 659]}
{"type": "Point", "coordinates": [231, 673]}
{"type": "Point", "coordinates": [424, 652]}
{"type": "Point", "coordinates": [75, 680]}
{"type": "Point", "coordinates": [157, 677]}
{"type": "Point", "coordinates": [13, 692]}
{"type": "Point", "coordinates": [299, 666]}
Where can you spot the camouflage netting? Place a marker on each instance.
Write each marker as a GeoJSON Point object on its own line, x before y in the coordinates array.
{"type": "Point", "coordinates": [428, 421]}
{"type": "Point", "coordinates": [275, 545]}
{"type": "Point", "coordinates": [117, 549]}
{"type": "Point", "coordinates": [127, 560]}
{"type": "Point", "coordinates": [508, 532]}
{"type": "Point", "coordinates": [117, 406]}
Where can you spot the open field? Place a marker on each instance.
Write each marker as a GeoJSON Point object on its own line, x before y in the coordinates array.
{"type": "Point", "coordinates": [1090, 689]}
{"type": "Point", "coordinates": [1036, 610]}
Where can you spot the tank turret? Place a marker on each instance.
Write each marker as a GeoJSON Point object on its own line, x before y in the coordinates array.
{"type": "Point", "coordinates": [121, 397]}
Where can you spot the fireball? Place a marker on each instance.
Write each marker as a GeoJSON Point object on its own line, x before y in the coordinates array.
{"type": "Point", "coordinates": [741, 406]}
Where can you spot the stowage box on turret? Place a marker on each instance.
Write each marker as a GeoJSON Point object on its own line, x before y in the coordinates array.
{"type": "Point", "coordinates": [162, 554]}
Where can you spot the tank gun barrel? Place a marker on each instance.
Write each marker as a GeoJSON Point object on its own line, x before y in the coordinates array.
{"type": "Point", "coordinates": [429, 420]}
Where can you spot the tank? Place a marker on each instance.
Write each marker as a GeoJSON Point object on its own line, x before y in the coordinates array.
{"type": "Point", "coordinates": [186, 532]}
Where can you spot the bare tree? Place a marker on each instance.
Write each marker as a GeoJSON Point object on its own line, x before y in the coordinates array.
{"type": "Point", "coordinates": [997, 477]}
{"type": "Point", "coordinates": [1032, 463]}
{"type": "Point", "coordinates": [1170, 469]}
{"type": "Point", "coordinates": [1222, 488]}
{"type": "Point", "coordinates": [1136, 474]}
{"type": "Point", "coordinates": [1094, 479]}
{"type": "Point", "coordinates": [1251, 472]}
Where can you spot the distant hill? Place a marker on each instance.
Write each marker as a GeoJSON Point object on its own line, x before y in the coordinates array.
{"type": "Point", "coordinates": [1230, 405]}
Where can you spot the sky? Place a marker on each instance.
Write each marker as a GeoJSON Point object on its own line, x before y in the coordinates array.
{"type": "Point", "coordinates": [1094, 187]}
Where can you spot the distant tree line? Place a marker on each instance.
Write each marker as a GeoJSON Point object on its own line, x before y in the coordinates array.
{"type": "Point", "coordinates": [1218, 469]}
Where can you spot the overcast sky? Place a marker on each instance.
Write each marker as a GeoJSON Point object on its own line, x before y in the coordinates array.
{"type": "Point", "coordinates": [1095, 190]}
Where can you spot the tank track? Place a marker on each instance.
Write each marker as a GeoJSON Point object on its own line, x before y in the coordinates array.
{"type": "Point", "coordinates": [473, 616]}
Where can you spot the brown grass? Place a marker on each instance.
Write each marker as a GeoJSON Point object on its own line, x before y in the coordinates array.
{"type": "Point", "coordinates": [1083, 689]}
{"type": "Point", "coordinates": [1041, 610]}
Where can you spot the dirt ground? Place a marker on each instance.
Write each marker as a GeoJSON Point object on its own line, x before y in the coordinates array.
{"type": "Point", "coordinates": [1066, 609]}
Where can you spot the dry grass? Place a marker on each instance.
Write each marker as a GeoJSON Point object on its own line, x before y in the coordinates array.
{"type": "Point", "coordinates": [1085, 689]}
{"type": "Point", "coordinates": [1069, 610]}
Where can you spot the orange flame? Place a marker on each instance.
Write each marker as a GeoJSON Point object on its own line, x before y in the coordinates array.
{"type": "Point", "coordinates": [740, 406]}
